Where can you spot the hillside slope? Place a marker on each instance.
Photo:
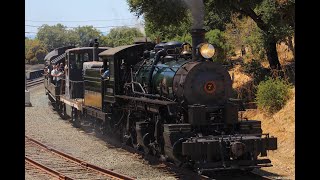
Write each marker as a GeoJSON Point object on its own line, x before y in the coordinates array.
{"type": "Point", "coordinates": [282, 126]}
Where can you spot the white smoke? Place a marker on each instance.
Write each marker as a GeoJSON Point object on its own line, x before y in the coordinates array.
{"type": "Point", "coordinates": [197, 11]}
{"type": "Point", "coordinates": [139, 24]}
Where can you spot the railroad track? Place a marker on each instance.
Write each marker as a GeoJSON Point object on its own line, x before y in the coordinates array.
{"type": "Point", "coordinates": [35, 82]}
{"type": "Point", "coordinates": [63, 166]}
{"type": "Point", "coordinates": [35, 173]}
{"type": "Point", "coordinates": [168, 167]}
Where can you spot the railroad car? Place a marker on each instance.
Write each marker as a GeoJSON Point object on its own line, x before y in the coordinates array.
{"type": "Point", "coordinates": [171, 101]}
{"type": "Point", "coordinates": [69, 95]}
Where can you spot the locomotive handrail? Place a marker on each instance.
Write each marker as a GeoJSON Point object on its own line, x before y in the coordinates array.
{"type": "Point", "coordinates": [72, 80]}
{"type": "Point", "coordinates": [134, 82]}
{"type": "Point", "coordinates": [89, 81]}
{"type": "Point", "coordinates": [156, 60]}
{"type": "Point", "coordinates": [222, 137]}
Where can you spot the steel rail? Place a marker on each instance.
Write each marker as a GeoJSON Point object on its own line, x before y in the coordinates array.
{"type": "Point", "coordinates": [46, 169]}
{"type": "Point", "coordinates": [35, 82]}
{"type": "Point", "coordinates": [80, 162]}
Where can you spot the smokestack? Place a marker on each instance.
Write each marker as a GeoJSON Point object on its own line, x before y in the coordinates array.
{"type": "Point", "coordinates": [95, 50]}
{"type": "Point", "coordinates": [197, 38]}
{"type": "Point", "coordinates": [197, 31]}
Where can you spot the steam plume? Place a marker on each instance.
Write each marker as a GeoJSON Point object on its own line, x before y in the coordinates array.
{"type": "Point", "coordinates": [197, 11]}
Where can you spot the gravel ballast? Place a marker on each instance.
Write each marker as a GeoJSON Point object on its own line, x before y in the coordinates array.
{"type": "Point", "coordinates": [46, 126]}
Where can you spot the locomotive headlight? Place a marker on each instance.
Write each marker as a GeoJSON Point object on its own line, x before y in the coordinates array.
{"type": "Point", "coordinates": [206, 50]}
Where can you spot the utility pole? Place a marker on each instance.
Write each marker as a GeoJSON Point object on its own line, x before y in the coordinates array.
{"type": "Point", "coordinates": [27, 93]}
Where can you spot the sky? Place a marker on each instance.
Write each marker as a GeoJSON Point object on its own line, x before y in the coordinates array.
{"type": "Point", "coordinates": [73, 13]}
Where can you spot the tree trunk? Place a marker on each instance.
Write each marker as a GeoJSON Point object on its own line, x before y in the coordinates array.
{"type": "Point", "coordinates": [291, 46]}
{"type": "Point", "coordinates": [271, 48]}
{"type": "Point", "coordinates": [272, 54]}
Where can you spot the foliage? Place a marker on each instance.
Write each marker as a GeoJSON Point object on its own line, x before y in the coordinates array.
{"type": "Point", "coordinates": [35, 51]}
{"type": "Point", "coordinates": [256, 42]}
{"type": "Point", "coordinates": [214, 37]}
{"type": "Point", "coordinates": [244, 32]}
{"type": "Point", "coordinates": [279, 15]}
{"type": "Point", "coordinates": [184, 38]}
{"type": "Point", "coordinates": [217, 39]}
{"type": "Point", "coordinates": [120, 36]}
{"type": "Point", "coordinates": [103, 41]}
{"type": "Point", "coordinates": [274, 18]}
{"type": "Point", "coordinates": [167, 32]}
{"type": "Point", "coordinates": [256, 70]}
{"type": "Point", "coordinates": [169, 19]}
{"type": "Point", "coordinates": [272, 94]}
{"type": "Point", "coordinates": [85, 34]}
{"type": "Point", "coordinates": [161, 12]}
{"type": "Point", "coordinates": [56, 36]}
{"type": "Point", "coordinates": [251, 66]}
{"type": "Point", "coordinates": [215, 16]}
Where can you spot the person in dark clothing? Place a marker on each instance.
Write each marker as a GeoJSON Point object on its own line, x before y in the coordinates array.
{"type": "Point", "coordinates": [106, 74]}
{"type": "Point", "coordinates": [243, 50]}
{"type": "Point", "coordinates": [61, 67]}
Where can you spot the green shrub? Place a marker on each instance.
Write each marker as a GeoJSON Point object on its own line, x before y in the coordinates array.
{"type": "Point", "coordinates": [272, 94]}
{"type": "Point", "coordinates": [251, 66]}
{"type": "Point", "coordinates": [218, 40]}
{"type": "Point", "coordinates": [254, 69]}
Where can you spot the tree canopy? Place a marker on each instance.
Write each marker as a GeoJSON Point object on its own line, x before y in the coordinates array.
{"type": "Point", "coordinates": [273, 17]}
{"type": "Point", "coordinates": [56, 36]}
{"type": "Point", "coordinates": [120, 36]}
{"type": "Point", "coordinates": [35, 51]}
{"type": "Point", "coordinates": [85, 34]}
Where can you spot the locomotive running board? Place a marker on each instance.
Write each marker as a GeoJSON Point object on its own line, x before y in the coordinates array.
{"type": "Point", "coordinates": [151, 105]}
{"type": "Point", "coordinates": [97, 113]}
{"type": "Point", "coordinates": [76, 103]}
{"type": "Point", "coordinates": [229, 165]}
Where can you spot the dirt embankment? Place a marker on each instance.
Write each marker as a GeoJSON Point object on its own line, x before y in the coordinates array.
{"type": "Point", "coordinates": [282, 126]}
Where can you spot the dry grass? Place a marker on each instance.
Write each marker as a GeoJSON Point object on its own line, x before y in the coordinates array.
{"type": "Point", "coordinates": [242, 84]}
{"type": "Point", "coordinates": [284, 53]}
{"type": "Point", "coordinates": [239, 78]}
{"type": "Point", "coordinates": [282, 126]}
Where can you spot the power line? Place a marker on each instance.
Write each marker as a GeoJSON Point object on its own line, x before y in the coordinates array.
{"type": "Point", "coordinates": [84, 20]}
{"type": "Point", "coordinates": [93, 27]}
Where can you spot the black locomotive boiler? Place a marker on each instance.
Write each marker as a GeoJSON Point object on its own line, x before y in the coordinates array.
{"type": "Point", "coordinates": [171, 101]}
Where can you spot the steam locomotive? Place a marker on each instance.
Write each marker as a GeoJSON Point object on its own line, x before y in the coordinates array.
{"type": "Point", "coordinates": [169, 100]}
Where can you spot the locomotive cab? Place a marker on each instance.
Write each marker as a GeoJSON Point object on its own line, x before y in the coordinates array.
{"type": "Point", "coordinates": [54, 57]}
{"type": "Point", "coordinates": [119, 61]}
{"type": "Point", "coordinates": [74, 59]}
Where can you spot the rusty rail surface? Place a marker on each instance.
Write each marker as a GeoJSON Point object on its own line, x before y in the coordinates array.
{"type": "Point", "coordinates": [34, 171]}
{"type": "Point", "coordinates": [46, 169]}
{"type": "Point", "coordinates": [57, 163]}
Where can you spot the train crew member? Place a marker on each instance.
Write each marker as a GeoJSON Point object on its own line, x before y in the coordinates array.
{"type": "Point", "coordinates": [67, 87]}
{"type": "Point", "coordinates": [46, 71]}
{"type": "Point", "coordinates": [50, 67]}
{"type": "Point", "coordinates": [61, 67]}
{"type": "Point", "coordinates": [56, 74]}
{"type": "Point", "coordinates": [105, 75]}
